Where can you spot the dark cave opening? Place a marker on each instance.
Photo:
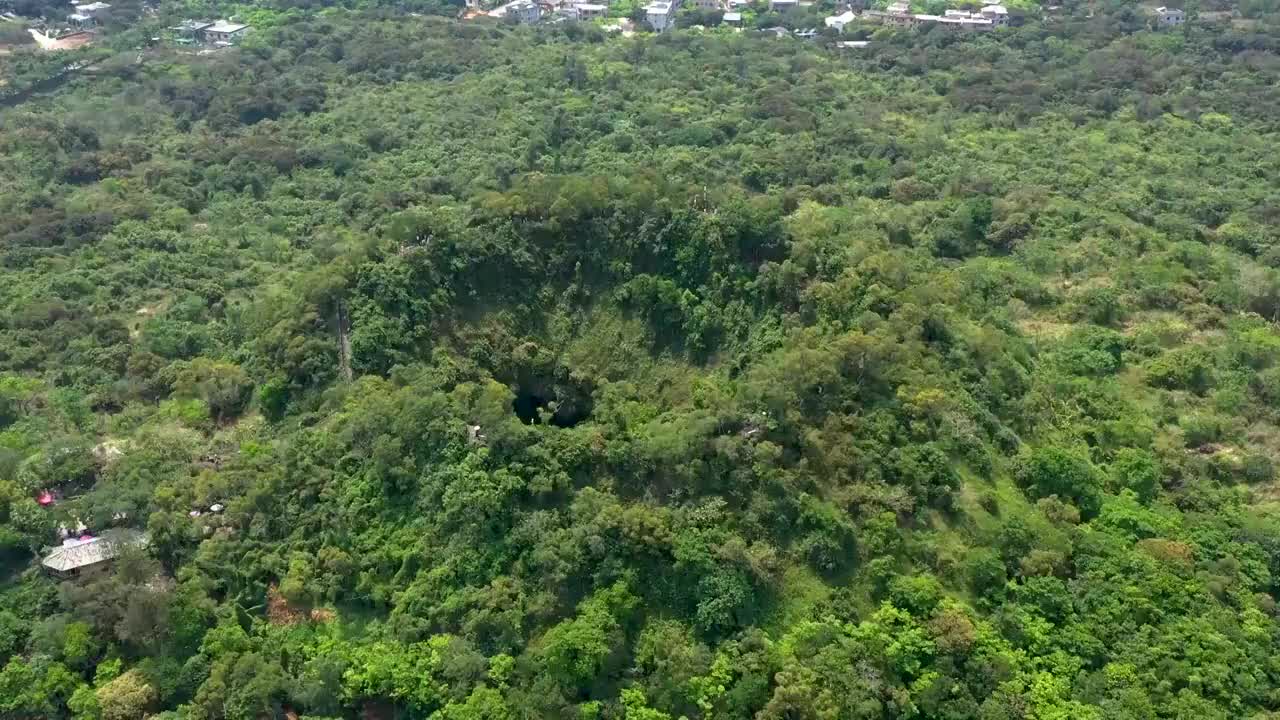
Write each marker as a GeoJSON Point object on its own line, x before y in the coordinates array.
{"type": "Point", "coordinates": [527, 406]}
{"type": "Point", "coordinates": [532, 407]}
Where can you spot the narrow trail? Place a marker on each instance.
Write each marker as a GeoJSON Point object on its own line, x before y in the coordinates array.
{"type": "Point", "coordinates": [343, 321]}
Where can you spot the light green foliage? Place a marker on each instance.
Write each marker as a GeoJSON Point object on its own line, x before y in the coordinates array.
{"type": "Point", "coordinates": [79, 646]}
{"type": "Point", "coordinates": [578, 650]}
{"type": "Point", "coordinates": [402, 673]}
{"type": "Point", "coordinates": [84, 704]}
{"type": "Point", "coordinates": [127, 696]}
{"type": "Point", "coordinates": [482, 704]}
{"type": "Point", "coordinates": [1189, 368]}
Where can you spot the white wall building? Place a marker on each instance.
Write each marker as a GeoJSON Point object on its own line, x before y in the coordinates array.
{"type": "Point", "coordinates": [660, 15]}
{"type": "Point", "coordinates": [1170, 17]}
{"type": "Point", "coordinates": [997, 14]}
{"type": "Point", "coordinates": [591, 11]}
{"type": "Point", "coordinates": [225, 32]}
{"type": "Point", "coordinates": [524, 11]}
{"type": "Point", "coordinates": [839, 21]}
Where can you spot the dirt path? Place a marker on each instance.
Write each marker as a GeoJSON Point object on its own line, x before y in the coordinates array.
{"type": "Point", "coordinates": [344, 341]}
{"type": "Point", "coordinates": [70, 42]}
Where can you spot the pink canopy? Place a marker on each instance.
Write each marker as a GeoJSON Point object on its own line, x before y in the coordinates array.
{"type": "Point", "coordinates": [46, 498]}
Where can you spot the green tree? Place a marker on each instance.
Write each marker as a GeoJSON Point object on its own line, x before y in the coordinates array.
{"type": "Point", "coordinates": [1047, 471]}
{"type": "Point", "coordinates": [126, 697]}
{"type": "Point", "coordinates": [224, 387]}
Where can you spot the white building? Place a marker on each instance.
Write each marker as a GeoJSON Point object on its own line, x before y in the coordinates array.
{"type": "Point", "coordinates": [898, 15]}
{"type": "Point", "coordinates": [839, 21]}
{"type": "Point", "coordinates": [660, 15]}
{"type": "Point", "coordinates": [1170, 17]}
{"type": "Point", "coordinates": [997, 14]}
{"type": "Point", "coordinates": [87, 15]}
{"type": "Point", "coordinates": [225, 32]}
{"type": "Point", "coordinates": [591, 11]}
{"type": "Point", "coordinates": [524, 11]}
{"type": "Point", "coordinates": [783, 5]}
{"type": "Point", "coordinates": [733, 18]}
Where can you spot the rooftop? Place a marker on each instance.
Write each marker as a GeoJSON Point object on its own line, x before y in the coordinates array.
{"type": "Point", "coordinates": [843, 18]}
{"type": "Point", "coordinates": [82, 553]}
{"type": "Point", "coordinates": [733, 17]}
{"type": "Point", "coordinates": [223, 26]}
{"type": "Point", "coordinates": [954, 20]}
{"type": "Point", "coordinates": [501, 10]}
{"type": "Point", "coordinates": [193, 25]}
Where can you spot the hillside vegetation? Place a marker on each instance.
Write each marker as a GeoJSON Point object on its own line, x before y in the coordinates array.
{"type": "Point", "coordinates": [549, 375]}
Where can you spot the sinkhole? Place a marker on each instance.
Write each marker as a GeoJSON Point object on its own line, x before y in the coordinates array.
{"type": "Point", "coordinates": [536, 407]}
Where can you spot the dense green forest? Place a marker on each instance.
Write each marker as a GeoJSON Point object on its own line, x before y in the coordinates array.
{"type": "Point", "coordinates": [545, 374]}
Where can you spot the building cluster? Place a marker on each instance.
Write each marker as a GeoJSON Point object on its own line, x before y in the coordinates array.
{"type": "Point", "coordinates": [899, 14]}
{"type": "Point", "coordinates": [661, 14]}
{"type": "Point", "coordinates": [218, 33]}
{"type": "Point", "coordinates": [531, 11]}
{"type": "Point", "coordinates": [80, 28]}
{"type": "Point", "coordinates": [87, 15]}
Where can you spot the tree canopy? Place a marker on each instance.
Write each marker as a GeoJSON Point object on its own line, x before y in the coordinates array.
{"type": "Point", "coordinates": [461, 370]}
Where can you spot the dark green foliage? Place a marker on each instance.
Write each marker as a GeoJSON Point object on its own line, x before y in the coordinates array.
{"type": "Point", "coordinates": [1046, 471]}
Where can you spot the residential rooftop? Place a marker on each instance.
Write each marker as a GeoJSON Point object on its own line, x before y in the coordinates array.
{"type": "Point", "coordinates": [79, 553]}
{"type": "Point", "coordinates": [224, 26]}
